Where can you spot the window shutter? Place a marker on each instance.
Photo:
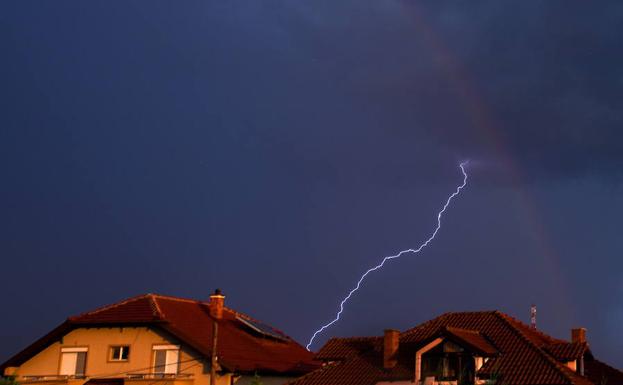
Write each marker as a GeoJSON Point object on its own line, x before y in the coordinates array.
{"type": "Point", "coordinates": [172, 361]}
{"type": "Point", "coordinates": [68, 364]}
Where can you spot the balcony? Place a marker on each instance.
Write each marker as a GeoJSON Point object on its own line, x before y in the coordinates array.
{"type": "Point", "coordinates": [49, 378]}
{"type": "Point", "coordinates": [129, 379]}
{"type": "Point", "coordinates": [158, 376]}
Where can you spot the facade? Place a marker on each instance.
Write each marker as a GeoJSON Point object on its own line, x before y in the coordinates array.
{"type": "Point", "coordinates": [160, 340]}
{"type": "Point", "coordinates": [469, 348]}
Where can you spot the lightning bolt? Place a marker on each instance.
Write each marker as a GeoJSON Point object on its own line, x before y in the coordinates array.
{"type": "Point", "coordinates": [414, 251]}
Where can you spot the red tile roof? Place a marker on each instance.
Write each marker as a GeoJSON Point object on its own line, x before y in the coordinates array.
{"type": "Point", "coordinates": [602, 374]}
{"type": "Point", "coordinates": [566, 351]}
{"type": "Point", "coordinates": [519, 353]}
{"type": "Point", "coordinates": [521, 361]}
{"type": "Point", "coordinates": [472, 338]}
{"type": "Point", "coordinates": [356, 370]}
{"type": "Point", "coordinates": [240, 349]}
{"type": "Point", "coordinates": [340, 348]}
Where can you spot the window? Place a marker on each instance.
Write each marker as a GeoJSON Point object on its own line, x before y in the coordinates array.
{"type": "Point", "coordinates": [119, 353]}
{"type": "Point", "coordinates": [73, 362]}
{"type": "Point", "coordinates": [448, 362]}
{"type": "Point", "coordinates": [166, 359]}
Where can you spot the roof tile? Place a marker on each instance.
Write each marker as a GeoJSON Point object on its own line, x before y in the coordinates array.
{"type": "Point", "coordinates": [522, 359]}
{"type": "Point", "coordinates": [240, 348]}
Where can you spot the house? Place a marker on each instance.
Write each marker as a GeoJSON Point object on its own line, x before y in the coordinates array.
{"type": "Point", "coordinates": [160, 340]}
{"type": "Point", "coordinates": [462, 348]}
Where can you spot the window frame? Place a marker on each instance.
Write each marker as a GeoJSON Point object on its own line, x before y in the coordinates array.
{"type": "Point", "coordinates": [73, 350]}
{"type": "Point", "coordinates": [112, 359]}
{"type": "Point", "coordinates": [166, 348]}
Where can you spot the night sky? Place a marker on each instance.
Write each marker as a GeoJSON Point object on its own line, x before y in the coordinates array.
{"type": "Point", "coordinates": [277, 149]}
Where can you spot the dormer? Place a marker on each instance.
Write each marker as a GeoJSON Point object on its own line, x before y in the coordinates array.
{"type": "Point", "coordinates": [452, 357]}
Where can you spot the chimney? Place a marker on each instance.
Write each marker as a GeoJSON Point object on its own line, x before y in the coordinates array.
{"type": "Point", "coordinates": [216, 304]}
{"type": "Point", "coordinates": [390, 348]}
{"type": "Point", "coordinates": [578, 335]}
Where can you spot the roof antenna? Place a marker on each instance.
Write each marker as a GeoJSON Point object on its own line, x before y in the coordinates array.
{"type": "Point", "coordinates": [533, 316]}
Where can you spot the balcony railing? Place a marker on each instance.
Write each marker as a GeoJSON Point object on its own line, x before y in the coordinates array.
{"type": "Point", "coordinates": [156, 376]}
{"type": "Point", "coordinates": [49, 377]}
{"type": "Point", "coordinates": [132, 376]}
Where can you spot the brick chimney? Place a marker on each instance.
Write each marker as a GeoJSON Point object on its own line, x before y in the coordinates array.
{"type": "Point", "coordinates": [390, 348]}
{"type": "Point", "coordinates": [578, 335]}
{"type": "Point", "coordinates": [216, 303]}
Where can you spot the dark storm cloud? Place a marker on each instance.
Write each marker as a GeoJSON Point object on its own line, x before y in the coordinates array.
{"type": "Point", "coordinates": [551, 74]}
{"type": "Point", "coordinates": [277, 148]}
{"type": "Point", "coordinates": [537, 82]}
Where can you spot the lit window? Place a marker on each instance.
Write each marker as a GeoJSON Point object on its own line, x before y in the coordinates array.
{"type": "Point", "coordinates": [166, 359]}
{"type": "Point", "coordinates": [73, 362]}
{"type": "Point", "coordinates": [119, 353]}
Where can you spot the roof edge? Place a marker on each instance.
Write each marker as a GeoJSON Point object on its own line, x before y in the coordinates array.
{"type": "Point", "coordinates": [41, 343]}
{"type": "Point", "coordinates": [552, 362]}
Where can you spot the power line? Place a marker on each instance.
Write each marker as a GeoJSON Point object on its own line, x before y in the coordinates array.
{"type": "Point", "coordinates": [148, 368]}
{"type": "Point", "coordinates": [169, 380]}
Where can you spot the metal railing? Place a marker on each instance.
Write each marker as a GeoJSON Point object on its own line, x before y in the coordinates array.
{"type": "Point", "coordinates": [50, 377]}
{"type": "Point", "coordinates": [157, 376]}
{"type": "Point", "coordinates": [133, 376]}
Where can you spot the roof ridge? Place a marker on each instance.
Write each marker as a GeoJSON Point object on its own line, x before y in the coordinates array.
{"type": "Point", "coordinates": [553, 363]}
{"type": "Point", "coordinates": [109, 306]}
{"type": "Point", "coordinates": [157, 311]}
{"type": "Point", "coordinates": [175, 298]}
{"type": "Point", "coordinates": [442, 316]}
{"type": "Point", "coordinates": [463, 330]}
{"type": "Point", "coordinates": [425, 323]}
{"type": "Point", "coordinates": [355, 338]}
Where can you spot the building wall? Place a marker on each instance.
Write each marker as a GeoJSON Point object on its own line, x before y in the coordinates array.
{"type": "Point", "coordinates": [99, 340]}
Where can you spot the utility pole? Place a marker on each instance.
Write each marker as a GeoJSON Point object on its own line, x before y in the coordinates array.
{"type": "Point", "coordinates": [217, 301]}
{"type": "Point", "coordinates": [214, 360]}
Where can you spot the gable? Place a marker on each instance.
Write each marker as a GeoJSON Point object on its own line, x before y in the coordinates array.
{"type": "Point", "coordinates": [98, 341]}
{"type": "Point", "coordinates": [516, 354]}
{"type": "Point", "coordinates": [241, 348]}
